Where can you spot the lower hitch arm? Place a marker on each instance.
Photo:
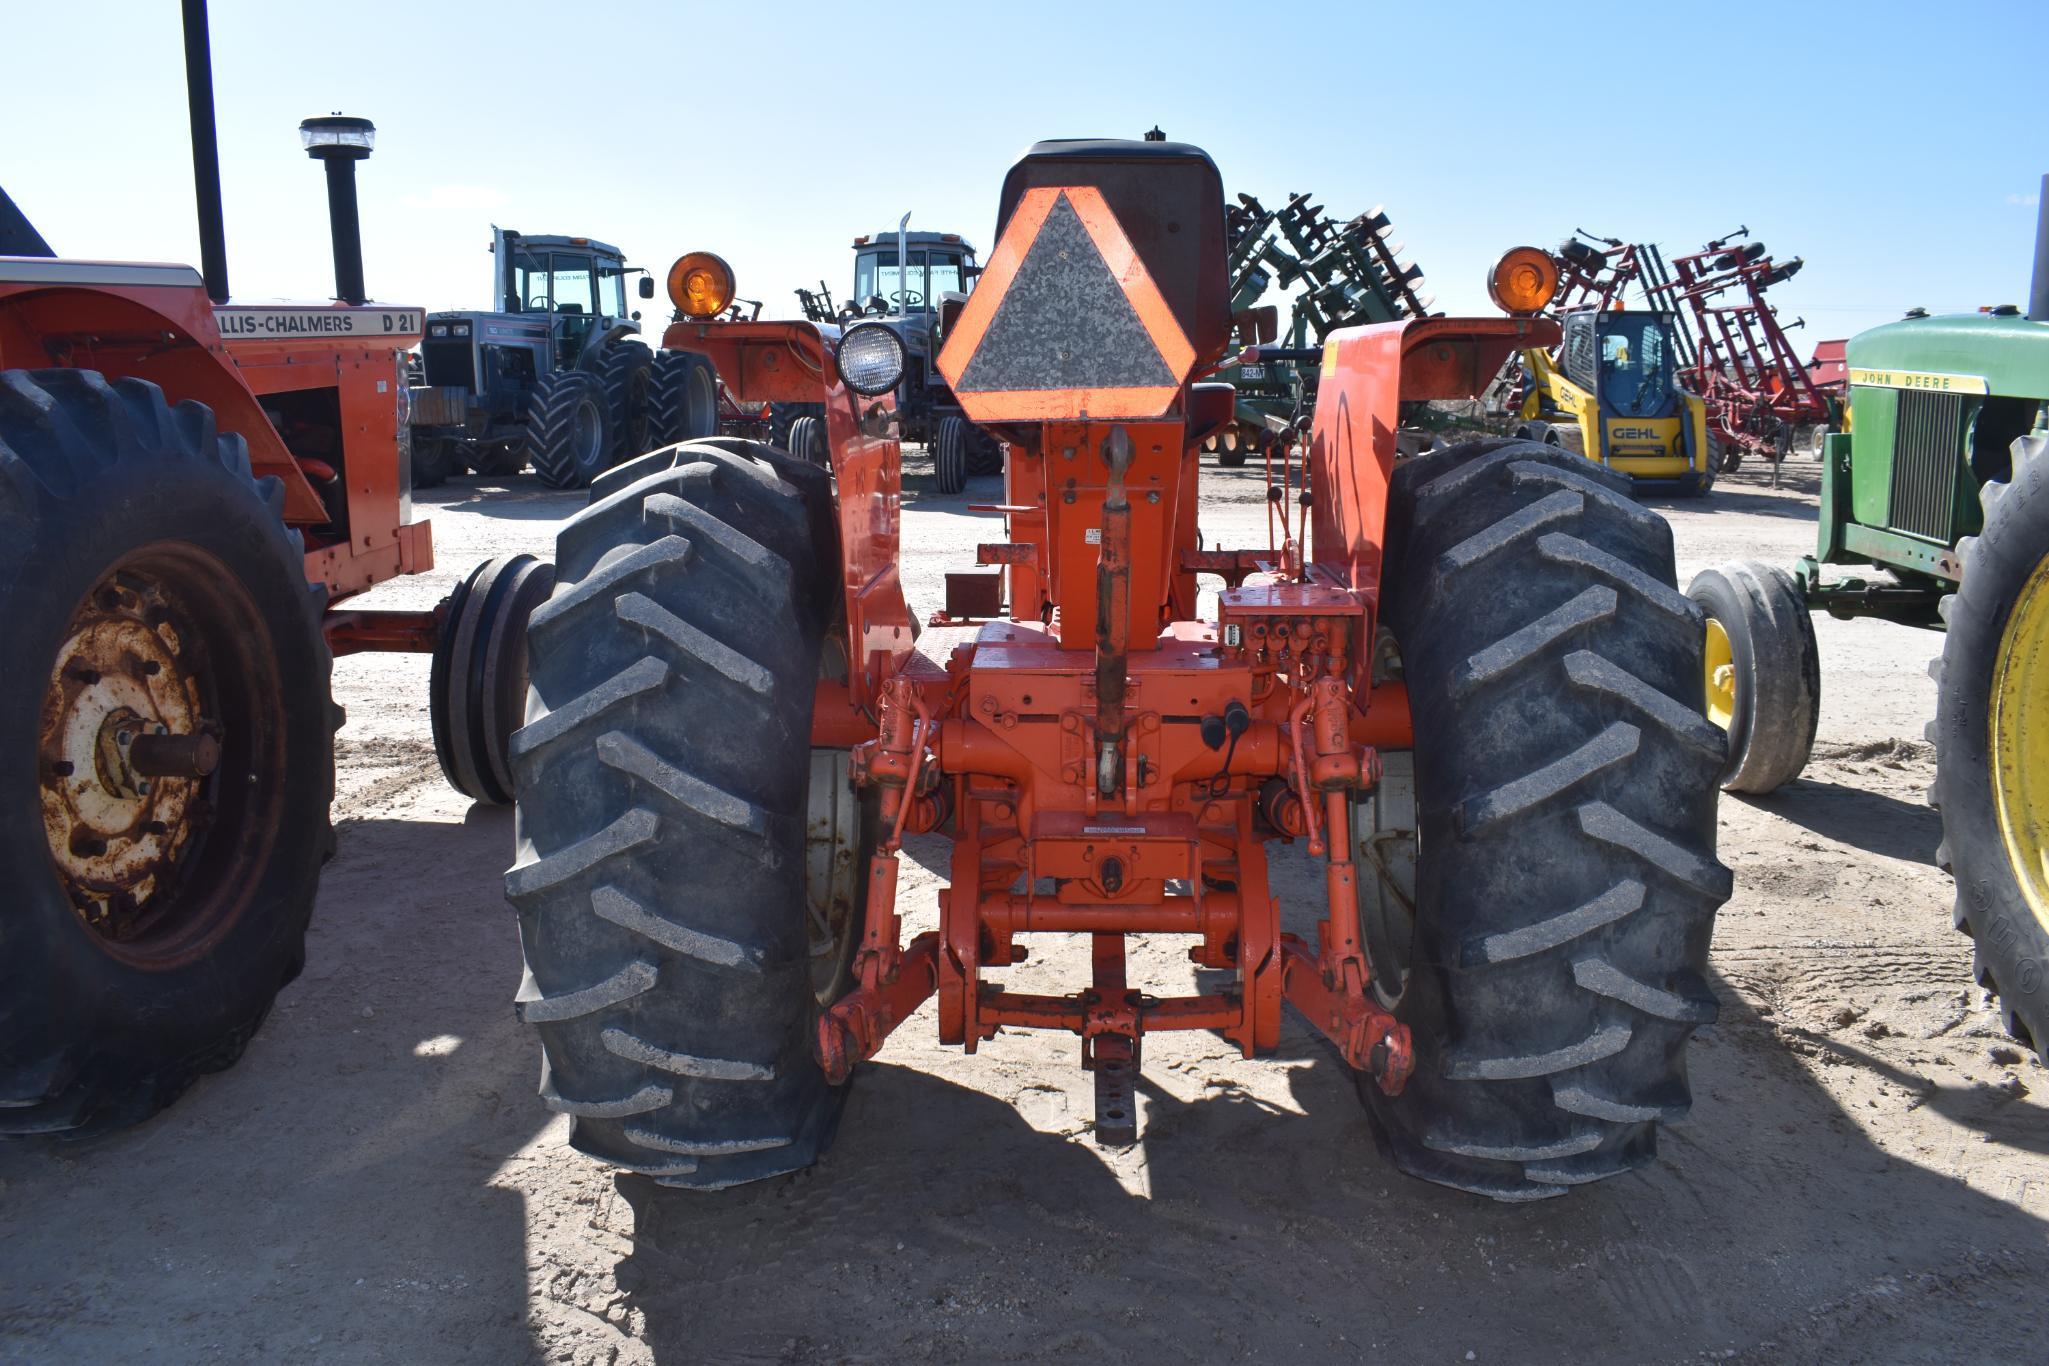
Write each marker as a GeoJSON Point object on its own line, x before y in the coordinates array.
{"type": "Point", "coordinates": [894, 980]}
{"type": "Point", "coordinates": [1330, 986]}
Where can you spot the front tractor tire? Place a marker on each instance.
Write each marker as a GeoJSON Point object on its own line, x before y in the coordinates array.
{"type": "Point", "coordinates": [167, 736]}
{"type": "Point", "coordinates": [664, 777]}
{"type": "Point", "coordinates": [569, 437]}
{"type": "Point", "coordinates": [1991, 735]}
{"type": "Point", "coordinates": [950, 456]}
{"type": "Point", "coordinates": [1761, 671]}
{"type": "Point", "coordinates": [1565, 878]}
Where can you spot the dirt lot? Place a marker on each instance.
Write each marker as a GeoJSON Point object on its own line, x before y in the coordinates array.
{"type": "Point", "coordinates": [1865, 1176]}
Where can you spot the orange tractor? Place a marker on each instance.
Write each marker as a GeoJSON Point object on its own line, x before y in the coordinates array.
{"type": "Point", "coordinates": [189, 490]}
{"type": "Point", "coordinates": [1465, 681]}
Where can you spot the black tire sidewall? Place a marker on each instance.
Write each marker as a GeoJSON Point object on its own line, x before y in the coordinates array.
{"type": "Point", "coordinates": [1724, 603]}
{"type": "Point", "coordinates": [58, 984]}
{"type": "Point", "coordinates": [2012, 944]}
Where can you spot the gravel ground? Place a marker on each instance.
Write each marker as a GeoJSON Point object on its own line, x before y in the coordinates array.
{"type": "Point", "coordinates": [1863, 1177]}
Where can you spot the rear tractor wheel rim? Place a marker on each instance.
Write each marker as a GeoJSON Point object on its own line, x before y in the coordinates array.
{"type": "Point", "coordinates": [2019, 736]}
{"type": "Point", "coordinates": [1718, 670]}
{"type": "Point", "coordinates": [587, 436]}
{"type": "Point", "coordinates": [835, 873]}
{"type": "Point", "coordinates": [152, 749]}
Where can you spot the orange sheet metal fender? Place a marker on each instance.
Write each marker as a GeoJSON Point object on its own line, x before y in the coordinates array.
{"type": "Point", "coordinates": [1368, 373]}
{"type": "Point", "coordinates": [155, 323]}
{"type": "Point", "coordinates": [792, 362]}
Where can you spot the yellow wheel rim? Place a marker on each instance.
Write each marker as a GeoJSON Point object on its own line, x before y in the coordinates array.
{"type": "Point", "coordinates": [2020, 740]}
{"type": "Point", "coordinates": [1718, 668]}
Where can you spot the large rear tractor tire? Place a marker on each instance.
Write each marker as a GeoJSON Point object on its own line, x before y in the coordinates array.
{"type": "Point", "coordinates": [1565, 877]}
{"type": "Point", "coordinates": [626, 371]}
{"type": "Point", "coordinates": [950, 456]}
{"type": "Point", "coordinates": [477, 682]}
{"type": "Point", "coordinates": [674, 971]}
{"type": "Point", "coordinates": [682, 397]}
{"type": "Point", "coordinates": [569, 438]}
{"type": "Point", "coordinates": [167, 734]}
{"type": "Point", "coordinates": [1991, 735]}
{"type": "Point", "coordinates": [1761, 671]}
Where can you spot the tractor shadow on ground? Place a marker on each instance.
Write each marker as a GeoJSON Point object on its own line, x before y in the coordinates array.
{"type": "Point", "coordinates": [1874, 822]}
{"type": "Point", "coordinates": [339, 1193]}
{"type": "Point", "coordinates": [519, 498]}
{"type": "Point", "coordinates": [945, 1224]}
{"type": "Point", "coordinates": [1763, 501]}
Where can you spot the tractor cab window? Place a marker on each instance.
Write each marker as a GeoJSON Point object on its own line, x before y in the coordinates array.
{"type": "Point", "coordinates": [944, 273]}
{"type": "Point", "coordinates": [932, 275]}
{"type": "Point", "coordinates": [1576, 353]}
{"type": "Point", "coordinates": [553, 283]}
{"type": "Point", "coordinates": [1636, 364]}
{"type": "Point", "coordinates": [530, 283]}
{"type": "Point", "coordinates": [575, 284]}
{"type": "Point", "coordinates": [612, 291]}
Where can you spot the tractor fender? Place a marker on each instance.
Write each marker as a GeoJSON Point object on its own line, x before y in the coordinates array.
{"type": "Point", "coordinates": [195, 365]}
{"type": "Point", "coordinates": [594, 350]}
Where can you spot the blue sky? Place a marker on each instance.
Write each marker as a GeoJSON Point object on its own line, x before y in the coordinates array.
{"type": "Point", "coordinates": [1897, 147]}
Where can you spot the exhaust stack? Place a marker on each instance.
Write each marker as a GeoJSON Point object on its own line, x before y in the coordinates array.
{"type": "Point", "coordinates": [206, 153]}
{"type": "Point", "coordinates": [340, 141]}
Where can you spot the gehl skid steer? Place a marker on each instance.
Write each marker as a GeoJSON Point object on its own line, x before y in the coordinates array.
{"type": "Point", "coordinates": [734, 725]}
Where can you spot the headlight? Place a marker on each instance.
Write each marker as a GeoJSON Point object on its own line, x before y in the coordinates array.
{"type": "Point", "coordinates": [438, 330]}
{"type": "Point", "coordinates": [701, 285]}
{"type": "Point", "coordinates": [462, 329]}
{"type": "Point", "coordinates": [871, 359]}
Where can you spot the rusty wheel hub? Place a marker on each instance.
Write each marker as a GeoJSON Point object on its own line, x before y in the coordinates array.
{"type": "Point", "coordinates": [125, 750]}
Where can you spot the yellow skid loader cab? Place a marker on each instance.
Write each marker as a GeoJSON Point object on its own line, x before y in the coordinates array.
{"type": "Point", "coordinates": [1612, 393]}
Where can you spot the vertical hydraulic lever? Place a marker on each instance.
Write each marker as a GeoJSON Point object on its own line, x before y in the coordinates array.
{"type": "Point", "coordinates": [1113, 615]}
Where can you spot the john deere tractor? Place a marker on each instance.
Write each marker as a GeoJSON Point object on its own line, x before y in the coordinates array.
{"type": "Point", "coordinates": [1937, 500]}
{"type": "Point", "coordinates": [554, 375]}
{"type": "Point", "coordinates": [908, 301]}
{"type": "Point", "coordinates": [1610, 391]}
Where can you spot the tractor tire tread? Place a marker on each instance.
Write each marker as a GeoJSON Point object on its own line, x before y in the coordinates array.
{"type": "Point", "coordinates": [71, 442]}
{"type": "Point", "coordinates": [2009, 943]}
{"type": "Point", "coordinates": [548, 444]}
{"type": "Point", "coordinates": [1559, 963]}
{"type": "Point", "coordinates": [663, 771]}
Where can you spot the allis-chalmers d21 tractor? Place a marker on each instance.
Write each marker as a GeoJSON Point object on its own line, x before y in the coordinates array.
{"type": "Point", "coordinates": [734, 723]}
{"type": "Point", "coordinates": [188, 489]}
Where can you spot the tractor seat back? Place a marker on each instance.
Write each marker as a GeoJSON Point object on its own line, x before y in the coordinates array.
{"type": "Point", "coordinates": [1169, 201]}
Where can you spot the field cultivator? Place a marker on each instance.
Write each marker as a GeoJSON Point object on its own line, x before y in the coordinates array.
{"type": "Point", "coordinates": [1465, 682]}
{"type": "Point", "coordinates": [1734, 351]}
{"type": "Point", "coordinates": [1339, 275]}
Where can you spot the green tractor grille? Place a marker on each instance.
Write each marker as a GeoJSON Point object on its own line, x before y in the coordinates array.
{"type": "Point", "coordinates": [1927, 435]}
